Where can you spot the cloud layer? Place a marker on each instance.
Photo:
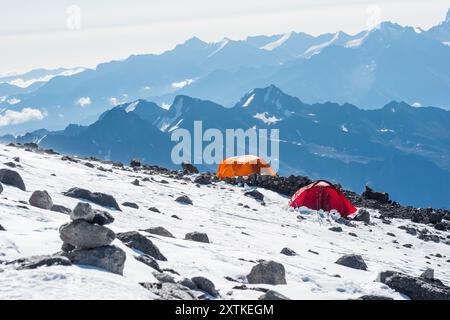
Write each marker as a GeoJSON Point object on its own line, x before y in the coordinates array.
{"type": "Point", "coordinates": [11, 117]}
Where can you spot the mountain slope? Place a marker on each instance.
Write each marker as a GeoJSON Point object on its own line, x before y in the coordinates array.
{"type": "Point", "coordinates": [239, 237]}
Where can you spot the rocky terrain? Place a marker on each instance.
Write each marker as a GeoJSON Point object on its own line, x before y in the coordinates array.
{"type": "Point", "coordinates": [81, 228]}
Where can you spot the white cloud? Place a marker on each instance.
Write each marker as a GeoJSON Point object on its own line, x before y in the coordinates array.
{"type": "Point", "coordinates": [17, 117]}
{"type": "Point", "coordinates": [13, 101]}
{"type": "Point", "coordinates": [182, 84]}
{"type": "Point", "coordinates": [84, 101]}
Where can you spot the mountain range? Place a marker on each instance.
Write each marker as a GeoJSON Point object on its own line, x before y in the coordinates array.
{"type": "Point", "coordinates": [398, 148]}
{"type": "Point", "coordinates": [368, 69]}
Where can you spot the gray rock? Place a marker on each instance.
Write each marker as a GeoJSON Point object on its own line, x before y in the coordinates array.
{"type": "Point", "coordinates": [109, 258]}
{"type": "Point", "coordinates": [189, 168]}
{"type": "Point", "coordinates": [82, 211]}
{"type": "Point", "coordinates": [428, 274]}
{"type": "Point", "coordinates": [102, 199]}
{"type": "Point", "coordinates": [352, 261]}
{"type": "Point", "coordinates": [34, 262]}
{"type": "Point", "coordinates": [255, 194]}
{"type": "Point", "coordinates": [374, 297]}
{"type": "Point", "coordinates": [82, 234]}
{"type": "Point", "coordinates": [203, 179]}
{"type": "Point", "coordinates": [130, 205]}
{"type": "Point", "coordinates": [137, 241]}
{"type": "Point", "coordinates": [102, 217]}
{"type": "Point", "coordinates": [1, 188]}
{"type": "Point", "coordinates": [160, 231]}
{"type": "Point", "coordinates": [135, 182]}
{"type": "Point", "coordinates": [288, 252]}
{"type": "Point", "coordinates": [417, 288]}
{"type": "Point", "coordinates": [67, 247]}
{"type": "Point", "coordinates": [61, 209]}
{"type": "Point", "coordinates": [135, 163]}
{"type": "Point", "coordinates": [41, 199]}
{"type": "Point", "coordinates": [362, 215]}
{"type": "Point", "coordinates": [184, 200]}
{"type": "Point", "coordinates": [335, 229]}
{"type": "Point", "coordinates": [273, 295]}
{"type": "Point", "coordinates": [163, 277]}
{"type": "Point", "coordinates": [154, 209]}
{"type": "Point", "coordinates": [197, 236]}
{"type": "Point", "coordinates": [170, 291]}
{"type": "Point", "coordinates": [188, 283]}
{"type": "Point", "coordinates": [267, 272]}
{"type": "Point", "coordinates": [381, 197]}
{"type": "Point", "coordinates": [2, 228]}
{"type": "Point", "coordinates": [205, 285]}
{"type": "Point", "coordinates": [12, 178]}
{"type": "Point", "coordinates": [148, 260]}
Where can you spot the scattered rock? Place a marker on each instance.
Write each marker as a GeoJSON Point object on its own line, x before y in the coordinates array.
{"type": "Point", "coordinates": [352, 234]}
{"type": "Point", "coordinates": [267, 272]}
{"type": "Point", "coordinates": [10, 164]}
{"type": "Point", "coordinates": [255, 194]}
{"type": "Point", "coordinates": [2, 228]}
{"type": "Point", "coordinates": [40, 261]}
{"type": "Point", "coordinates": [160, 231]}
{"type": "Point", "coordinates": [428, 274]}
{"type": "Point", "coordinates": [175, 217]}
{"type": "Point", "coordinates": [68, 158]}
{"type": "Point", "coordinates": [288, 252]}
{"type": "Point", "coordinates": [374, 297]}
{"type": "Point", "coordinates": [408, 245]}
{"type": "Point", "coordinates": [273, 295]}
{"type": "Point", "coordinates": [130, 205]}
{"type": "Point", "coordinates": [82, 234]}
{"type": "Point", "coordinates": [102, 217]}
{"type": "Point", "coordinates": [137, 241]}
{"type": "Point", "coordinates": [148, 260]}
{"type": "Point", "coordinates": [363, 215]}
{"type": "Point", "coordinates": [41, 199]}
{"type": "Point", "coordinates": [205, 285]}
{"type": "Point", "coordinates": [135, 182]}
{"type": "Point", "coordinates": [61, 209]}
{"type": "Point", "coordinates": [188, 283]}
{"type": "Point", "coordinates": [89, 165]}
{"type": "Point", "coordinates": [82, 211]}
{"type": "Point", "coordinates": [391, 234]}
{"type": "Point", "coordinates": [189, 168]}
{"type": "Point", "coordinates": [335, 229]}
{"type": "Point", "coordinates": [109, 258]}
{"type": "Point", "coordinates": [135, 163]}
{"type": "Point", "coordinates": [197, 236]}
{"type": "Point", "coordinates": [184, 200]}
{"type": "Point", "coordinates": [163, 277]}
{"type": "Point", "coordinates": [12, 178]}
{"type": "Point", "coordinates": [154, 209]}
{"type": "Point", "coordinates": [417, 288]}
{"type": "Point", "coordinates": [170, 291]}
{"type": "Point", "coordinates": [203, 179]}
{"type": "Point", "coordinates": [352, 261]}
{"type": "Point", "coordinates": [311, 251]}
{"type": "Point", "coordinates": [381, 197]}
{"type": "Point", "coordinates": [102, 199]}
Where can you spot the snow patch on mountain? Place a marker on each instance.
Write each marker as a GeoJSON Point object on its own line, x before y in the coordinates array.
{"type": "Point", "coordinates": [318, 48]}
{"type": "Point", "coordinates": [266, 118]}
{"type": "Point", "coordinates": [132, 106]}
{"type": "Point", "coordinates": [182, 84]}
{"type": "Point", "coordinates": [220, 46]}
{"type": "Point", "coordinates": [277, 43]}
{"type": "Point", "coordinates": [248, 101]}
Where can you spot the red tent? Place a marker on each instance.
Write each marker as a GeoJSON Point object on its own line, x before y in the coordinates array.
{"type": "Point", "coordinates": [322, 195]}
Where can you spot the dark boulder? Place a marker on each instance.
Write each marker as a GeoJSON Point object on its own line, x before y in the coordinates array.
{"type": "Point", "coordinates": [130, 205]}
{"type": "Point", "coordinates": [189, 168]}
{"type": "Point", "coordinates": [135, 163]}
{"type": "Point", "coordinates": [60, 208]}
{"type": "Point", "coordinates": [352, 261]}
{"type": "Point", "coordinates": [184, 200]}
{"type": "Point", "coordinates": [82, 234]}
{"type": "Point", "coordinates": [267, 272]}
{"type": "Point", "coordinates": [374, 297]}
{"type": "Point", "coordinates": [255, 194]}
{"type": "Point", "coordinates": [41, 199]}
{"type": "Point", "coordinates": [288, 252]}
{"type": "Point", "coordinates": [382, 197]}
{"type": "Point", "coordinates": [197, 236]}
{"type": "Point", "coordinates": [205, 285]}
{"type": "Point", "coordinates": [137, 241]}
{"type": "Point", "coordinates": [148, 260]}
{"type": "Point", "coordinates": [102, 199]}
{"type": "Point", "coordinates": [417, 288]}
{"type": "Point", "coordinates": [203, 179]}
{"type": "Point", "coordinates": [109, 258]}
{"type": "Point", "coordinates": [273, 295]}
{"type": "Point", "coordinates": [160, 231]}
{"type": "Point", "coordinates": [12, 178]}
{"type": "Point", "coordinates": [362, 215]}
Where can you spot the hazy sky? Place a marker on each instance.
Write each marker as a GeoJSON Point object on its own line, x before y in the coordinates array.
{"type": "Point", "coordinates": [53, 33]}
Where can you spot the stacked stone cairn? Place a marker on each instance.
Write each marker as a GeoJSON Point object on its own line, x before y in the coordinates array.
{"type": "Point", "coordinates": [88, 242]}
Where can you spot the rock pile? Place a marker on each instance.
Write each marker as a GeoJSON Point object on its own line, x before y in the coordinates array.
{"type": "Point", "coordinates": [88, 242]}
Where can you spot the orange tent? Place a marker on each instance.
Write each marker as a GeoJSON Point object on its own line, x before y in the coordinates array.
{"type": "Point", "coordinates": [243, 166]}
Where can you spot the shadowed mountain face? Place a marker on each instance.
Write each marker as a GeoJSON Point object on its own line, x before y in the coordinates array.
{"type": "Point", "coordinates": [400, 149]}
{"type": "Point", "coordinates": [368, 69]}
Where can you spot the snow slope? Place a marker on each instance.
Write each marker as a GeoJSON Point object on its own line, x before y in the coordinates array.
{"type": "Point", "coordinates": [237, 235]}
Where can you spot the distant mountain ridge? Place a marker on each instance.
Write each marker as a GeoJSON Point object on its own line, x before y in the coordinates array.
{"type": "Point", "coordinates": [368, 69]}
{"type": "Point", "coordinates": [398, 148]}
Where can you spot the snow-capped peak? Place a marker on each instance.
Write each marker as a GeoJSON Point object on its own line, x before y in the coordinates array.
{"type": "Point", "coordinates": [277, 43]}
{"type": "Point", "coordinates": [318, 48]}
{"type": "Point", "coordinates": [220, 45]}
